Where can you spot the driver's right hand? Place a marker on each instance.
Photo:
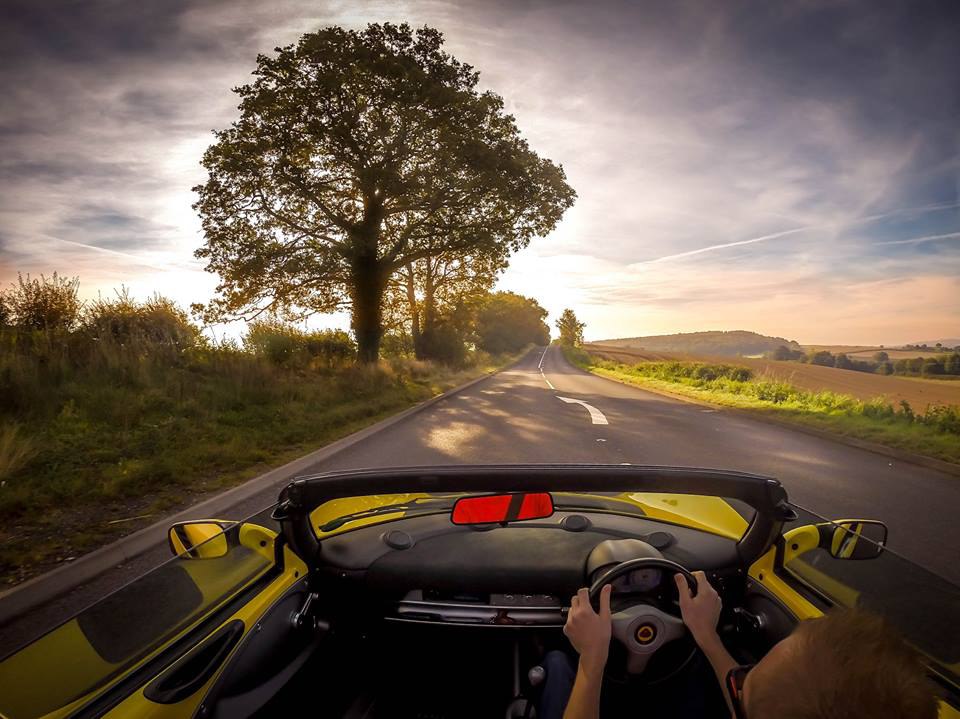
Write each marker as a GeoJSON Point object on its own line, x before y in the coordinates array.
{"type": "Point", "coordinates": [702, 612]}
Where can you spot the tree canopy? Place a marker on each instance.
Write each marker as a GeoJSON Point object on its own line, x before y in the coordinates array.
{"type": "Point", "coordinates": [570, 328]}
{"type": "Point", "coordinates": [358, 154]}
{"type": "Point", "coordinates": [435, 296]}
{"type": "Point", "coordinates": [506, 322]}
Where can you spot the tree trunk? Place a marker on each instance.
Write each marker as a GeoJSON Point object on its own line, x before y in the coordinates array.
{"type": "Point", "coordinates": [414, 312]}
{"type": "Point", "coordinates": [428, 314]}
{"type": "Point", "coordinates": [429, 297]}
{"type": "Point", "coordinates": [368, 285]}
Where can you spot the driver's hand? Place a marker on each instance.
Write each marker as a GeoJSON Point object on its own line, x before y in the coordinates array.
{"type": "Point", "coordinates": [588, 631]}
{"type": "Point", "coordinates": [702, 612]}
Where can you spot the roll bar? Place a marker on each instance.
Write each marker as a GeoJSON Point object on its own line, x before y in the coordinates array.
{"type": "Point", "coordinates": [764, 494]}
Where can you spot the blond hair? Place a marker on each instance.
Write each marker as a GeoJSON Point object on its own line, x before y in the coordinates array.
{"type": "Point", "coordinates": [849, 664]}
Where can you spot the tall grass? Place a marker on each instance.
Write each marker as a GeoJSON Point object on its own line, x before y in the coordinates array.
{"type": "Point", "coordinates": [126, 421]}
{"type": "Point", "coordinates": [123, 408]}
{"type": "Point", "coordinates": [15, 451]}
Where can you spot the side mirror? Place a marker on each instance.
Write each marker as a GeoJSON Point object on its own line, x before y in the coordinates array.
{"type": "Point", "coordinates": [853, 538]}
{"type": "Point", "coordinates": [204, 539]}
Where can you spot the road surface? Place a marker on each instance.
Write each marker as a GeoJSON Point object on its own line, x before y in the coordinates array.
{"type": "Point", "coordinates": [545, 410]}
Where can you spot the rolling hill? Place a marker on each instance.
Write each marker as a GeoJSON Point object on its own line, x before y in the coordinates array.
{"type": "Point", "coordinates": [734, 343]}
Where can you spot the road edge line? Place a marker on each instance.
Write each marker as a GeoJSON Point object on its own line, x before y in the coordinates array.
{"type": "Point", "coordinates": [15, 601]}
{"type": "Point", "coordinates": [921, 460]}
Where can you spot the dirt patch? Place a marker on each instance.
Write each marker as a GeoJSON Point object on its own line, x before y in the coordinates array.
{"type": "Point", "coordinates": [920, 393]}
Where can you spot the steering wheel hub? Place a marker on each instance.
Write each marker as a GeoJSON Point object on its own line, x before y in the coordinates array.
{"type": "Point", "coordinates": [646, 633]}
{"type": "Point", "coordinates": [642, 628]}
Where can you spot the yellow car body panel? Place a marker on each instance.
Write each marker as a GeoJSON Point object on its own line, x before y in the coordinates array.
{"type": "Point", "coordinates": [336, 508]}
{"type": "Point", "coordinates": [711, 514]}
{"type": "Point", "coordinates": [137, 705]}
{"type": "Point", "coordinates": [28, 669]}
{"type": "Point", "coordinates": [763, 572]}
{"type": "Point", "coordinates": [948, 712]}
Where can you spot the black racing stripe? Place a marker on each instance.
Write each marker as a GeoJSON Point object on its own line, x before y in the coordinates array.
{"type": "Point", "coordinates": [111, 697]}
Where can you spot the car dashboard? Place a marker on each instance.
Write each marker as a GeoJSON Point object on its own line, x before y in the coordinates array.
{"type": "Point", "coordinates": [424, 569]}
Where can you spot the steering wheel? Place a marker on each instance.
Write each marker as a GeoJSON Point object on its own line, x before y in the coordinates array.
{"type": "Point", "coordinates": [642, 628]}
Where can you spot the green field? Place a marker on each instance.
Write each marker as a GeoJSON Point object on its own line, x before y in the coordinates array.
{"type": "Point", "coordinates": [935, 433]}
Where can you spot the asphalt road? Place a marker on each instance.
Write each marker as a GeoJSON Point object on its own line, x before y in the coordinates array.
{"type": "Point", "coordinates": [517, 416]}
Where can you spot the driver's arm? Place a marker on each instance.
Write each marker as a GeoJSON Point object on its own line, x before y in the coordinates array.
{"type": "Point", "coordinates": [701, 614]}
{"type": "Point", "coordinates": [589, 633]}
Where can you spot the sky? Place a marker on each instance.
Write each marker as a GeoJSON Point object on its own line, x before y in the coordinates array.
{"type": "Point", "coordinates": [791, 168]}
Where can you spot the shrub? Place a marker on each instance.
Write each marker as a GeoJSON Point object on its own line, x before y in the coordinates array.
{"type": "Point", "coordinates": [577, 356]}
{"type": "Point", "coordinates": [944, 418]}
{"type": "Point", "coordinates": [951, 364]}
{"type": "Point", "coordinates": [396, 344]}
{"type": "Point", "coordinates": [287, 345]}
{"type": "Point", "coordinates": [443, 343]}
{"type": "Point", "coordinates": [45, 304]}
{"type": "Point", "coordinates": [506, 322]}
{"type": "Point", "coordinates": [931, 365]}
{"type": "Point", "coordinates": [332, 348]}
{"type": "Point", "coordinates": [824, 358]}
{"type": "Point", "coordinates": [277, 341]}
{"type": "Point", "coordinates": [15, 450]}
{"type": "Point", "coordinates": [776, 392]}
{"type": "Point", "coordinates": [906, 410]}
{"type": "Point", "coordinates": [410, 367]}
{"type": "Point", "coordinates": [878, 408]}
{"type": "Point", "coordinates": [157, 322]}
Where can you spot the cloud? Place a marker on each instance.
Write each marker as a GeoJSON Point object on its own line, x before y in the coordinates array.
{"type": "Point", "coordinates": [722, 153]}
{"type": "Point", "coordinates": [921, 240]}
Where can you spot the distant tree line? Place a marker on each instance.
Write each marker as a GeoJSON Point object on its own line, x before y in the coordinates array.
{"type": "Point", "coordinates": [941, 364]}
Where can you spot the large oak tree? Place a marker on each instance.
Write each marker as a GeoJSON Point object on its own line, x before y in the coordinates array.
{"type": "Point", "coordinates": [356, 154]}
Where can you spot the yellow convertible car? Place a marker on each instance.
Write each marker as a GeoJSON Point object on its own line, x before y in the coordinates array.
{"type": "Point", "coordinates": [436, 592]}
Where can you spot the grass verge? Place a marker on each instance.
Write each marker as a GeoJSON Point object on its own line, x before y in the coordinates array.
{"type": "Point", "coordinates": [934, 433]}
{"type": "Point", "coordinates": [107, 453]}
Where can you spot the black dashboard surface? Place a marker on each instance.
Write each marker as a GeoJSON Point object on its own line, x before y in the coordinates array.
{"type": "Point", "coordinates": [549, 556]}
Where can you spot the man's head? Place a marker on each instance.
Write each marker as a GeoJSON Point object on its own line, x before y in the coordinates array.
{"type": "Point", "coordinates": [846, 665]}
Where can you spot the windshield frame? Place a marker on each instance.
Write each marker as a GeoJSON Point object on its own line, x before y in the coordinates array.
{"type": "Point", "coordinates": [764, 494]}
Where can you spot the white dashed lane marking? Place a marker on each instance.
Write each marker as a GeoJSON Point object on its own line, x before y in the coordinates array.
{"type": "Point", "coordinates": [540, 367]}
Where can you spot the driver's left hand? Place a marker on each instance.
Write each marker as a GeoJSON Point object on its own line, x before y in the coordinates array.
{"type": "Point", "coordinates": [588, 631]}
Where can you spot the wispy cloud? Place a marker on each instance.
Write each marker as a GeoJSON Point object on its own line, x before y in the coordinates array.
{"type": "Point", "coordinates": [922, 240]}
{"type": "Point", "coordinates": [726, 245]}
{"type": "Point", "coordinates": [835, 226]}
